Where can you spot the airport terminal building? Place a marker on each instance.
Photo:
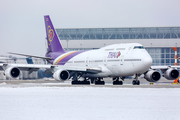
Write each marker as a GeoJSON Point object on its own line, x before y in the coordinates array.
{"type": "Point", "coordinates": [158, 41]}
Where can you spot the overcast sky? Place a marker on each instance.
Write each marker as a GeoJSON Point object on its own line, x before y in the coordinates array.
{"type": "Point", "coordinates": [22, 28]}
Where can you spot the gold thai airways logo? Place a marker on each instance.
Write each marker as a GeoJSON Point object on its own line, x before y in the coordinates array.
{"type": "Point", "coordinates": [50, 34]}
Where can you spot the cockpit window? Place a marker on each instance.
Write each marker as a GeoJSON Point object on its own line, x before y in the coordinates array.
{"type": "Point", "coordinates": [138, 47]}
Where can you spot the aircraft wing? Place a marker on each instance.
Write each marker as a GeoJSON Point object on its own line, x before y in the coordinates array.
{"type": "Point", "coordinates": [163, 67]}
{"type": "Point", "coordinates": [52, 68]}
{"type": "Point", "coordinates": [75, 68]}
{"type": "Point", "coordinates": [47, 58]}
{"type": "Point", "coordinates": [24, 66]}
{"type": "Point", "coordinates": [83, 69]}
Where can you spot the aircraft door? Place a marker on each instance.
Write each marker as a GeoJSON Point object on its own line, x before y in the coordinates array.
{"type": "Point", "coordinates": [122, 60]}
{"type": "Point", "coordinates": [105, 61]}
{"type": "Point", "coordinates": [129, 49]}
{"type": "Point", "coordinates": [87, 61]}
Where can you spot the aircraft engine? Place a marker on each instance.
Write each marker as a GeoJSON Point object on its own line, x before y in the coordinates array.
{"type": "Point", "coordinates": [61, 75]}
{"type": "Point", "coordinates": [152, 76]}
{"type": "Point", "coordinates": [171, 74]}
{"type": "Point", "coordinates": [12, 72]}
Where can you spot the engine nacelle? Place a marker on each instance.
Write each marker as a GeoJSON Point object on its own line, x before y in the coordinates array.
{"type": "Point", "coordinates": [171, 74]}
{"type": "Point", "coordinates": [12, 72]}
{"type": "Point", "coordinates": [61, 75]}
{"type": "Point", "coordinates": [152, 76]}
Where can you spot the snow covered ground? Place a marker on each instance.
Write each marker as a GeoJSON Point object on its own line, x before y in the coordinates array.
{"type": "Point", "coordinates": [89, 103]}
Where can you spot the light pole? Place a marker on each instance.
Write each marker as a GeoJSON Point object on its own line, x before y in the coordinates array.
{"type": "Point", "coordinates": [67, 43]}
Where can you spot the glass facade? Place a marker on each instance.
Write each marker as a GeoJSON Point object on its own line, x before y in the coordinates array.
{"type": "Point", "coordinates": [163, 56]}
{"type": "Point", "coordinates": [119, 33]}
{"type": "Point", "coordinates": [160, 56]}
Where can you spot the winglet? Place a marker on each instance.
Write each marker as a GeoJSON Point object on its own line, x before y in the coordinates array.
{"type": "Point", "coordinates": [52, 38]}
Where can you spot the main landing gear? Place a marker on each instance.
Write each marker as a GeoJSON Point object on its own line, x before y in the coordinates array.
{"type": "Point", "coordinates": [117, 82]}
{"type": "Point", "coordinates": [76, 81]}
{"type": "Point", "coordinates": [86, 81]}
{"type": "Point", "coordinates": [136, 81]}
{"type": "Point", "coordinates": [99, 81]}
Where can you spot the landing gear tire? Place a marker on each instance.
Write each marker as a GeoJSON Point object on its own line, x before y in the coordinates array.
{"type": "Point", "coordinates": [75, 82]}
{"type": "Point", "coordinates": [136, 82]}
{"type": "Point", "coordinates": [117, 83]}
{"type": "Point", "coordinates": [99, 83]}
{"type": "Point", "coordinates": [85, 82]}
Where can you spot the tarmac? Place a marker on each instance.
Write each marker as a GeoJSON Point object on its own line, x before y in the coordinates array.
{"type": "Point", "coordinates": [163, 83]}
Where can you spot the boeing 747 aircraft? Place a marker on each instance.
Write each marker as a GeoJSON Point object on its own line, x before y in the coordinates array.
{"type": "Point", "coordinates": [115, 61]}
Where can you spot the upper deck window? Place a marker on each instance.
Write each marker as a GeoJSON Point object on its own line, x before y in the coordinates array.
{"type": "Point", "coordinates": [138, 47]}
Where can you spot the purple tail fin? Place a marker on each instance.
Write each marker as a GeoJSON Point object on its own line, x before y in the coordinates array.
{"type": "Point", "coordinates": [52, 38]}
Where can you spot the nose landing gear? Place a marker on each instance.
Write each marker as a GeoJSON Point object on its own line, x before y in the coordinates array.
{"type": "Point", "coordinates": [136, 81]}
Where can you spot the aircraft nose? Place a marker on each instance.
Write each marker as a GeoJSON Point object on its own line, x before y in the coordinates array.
{"type": "Point", "coordinates": [147, 61]}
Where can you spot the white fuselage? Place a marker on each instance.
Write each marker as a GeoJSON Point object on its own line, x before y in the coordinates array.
{"type": "Point", "coordinates": [118, 60]}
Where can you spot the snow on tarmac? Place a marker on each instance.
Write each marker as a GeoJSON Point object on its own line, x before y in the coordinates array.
{"type": "Point", "coordinates": [89, 103]}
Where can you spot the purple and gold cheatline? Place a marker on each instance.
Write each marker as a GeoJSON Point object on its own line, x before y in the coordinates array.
{"type": "Point", "coordinates": [66, 57]}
